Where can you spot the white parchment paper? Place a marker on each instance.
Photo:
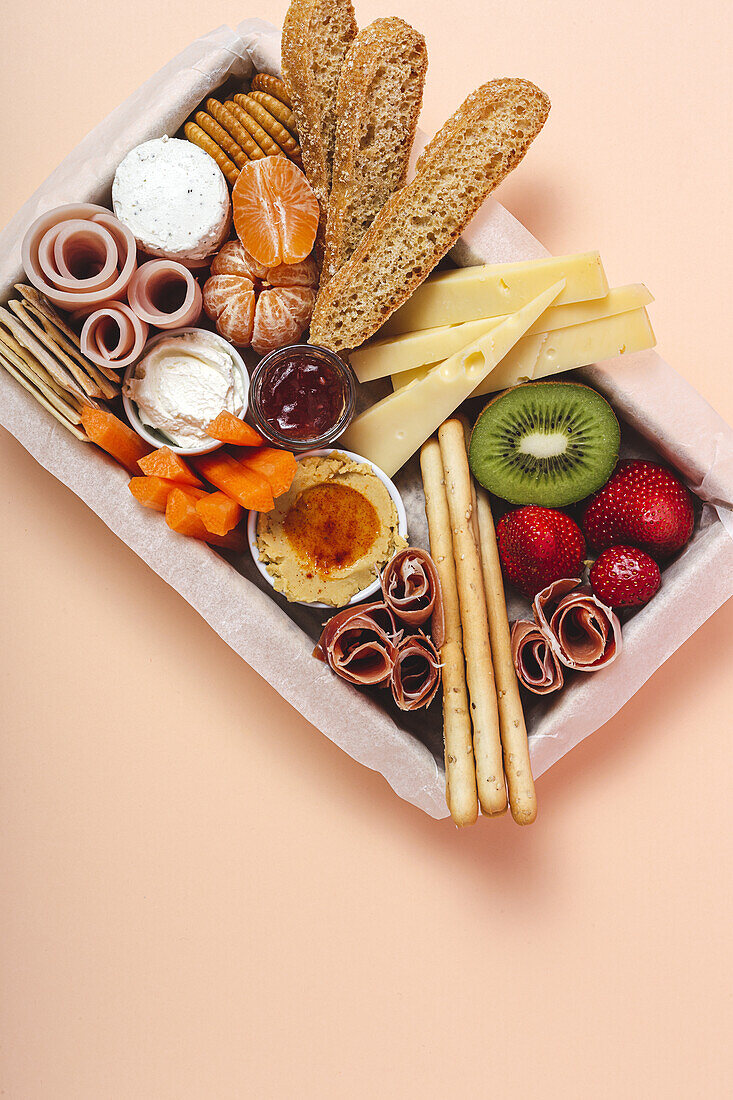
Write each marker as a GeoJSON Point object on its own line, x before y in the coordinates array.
{"type": "Point", "coordinates": [276, 639]}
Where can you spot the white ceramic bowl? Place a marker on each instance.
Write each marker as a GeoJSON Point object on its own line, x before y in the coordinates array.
{"type": "Point", "coordinates": [401, 526]}
{"type": "Point", "coordinates": [160, 439]}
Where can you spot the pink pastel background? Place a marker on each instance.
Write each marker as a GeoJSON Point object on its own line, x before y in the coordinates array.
{"type": "Point", "coordinates": [202, 897]}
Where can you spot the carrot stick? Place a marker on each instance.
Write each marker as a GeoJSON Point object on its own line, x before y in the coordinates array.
{"type": "Point", "coordinates": [219, 512]}
{"type": "Point", "coordinates": [247, 487]}
{"type": "Point", "coordinates": [517, 765]}
{"type": "Point", "coordinates": [182, 517]}
{"type": "Point", "coordinates": [152, 492]}
{"type": "Point", "coordinates": [166, 463]}
{"type": "Point", "coordinates": [229, 428]}
{"type": "Point", "coordinates": [114, 437]}
{"type": "Point", "coordinates": [277, 466]}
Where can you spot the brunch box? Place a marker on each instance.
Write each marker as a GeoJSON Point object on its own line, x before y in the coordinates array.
{"type": "Point", "coordinates": [662, 418]}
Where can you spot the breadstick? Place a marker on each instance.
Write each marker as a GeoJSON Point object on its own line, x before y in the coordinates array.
{"type": "Point", "coordinates": [224, 140]}
{"type": "Point", "coordinates": [460, 767]}
{"type": "Point", "coordinates": [517, 765]}
{"type": "Point", "coordinates": [199, 137]}
{"type": "Point", "coordinates": [282, 113]}
{"type": "Point", "coordinates": [474, 622]}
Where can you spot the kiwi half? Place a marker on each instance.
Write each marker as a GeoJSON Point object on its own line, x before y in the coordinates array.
{"type": "Point", "coordinates": [548, 443]}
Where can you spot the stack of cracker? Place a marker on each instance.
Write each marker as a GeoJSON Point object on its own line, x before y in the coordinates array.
{"type": "Point", "coordinates": [41, 352]}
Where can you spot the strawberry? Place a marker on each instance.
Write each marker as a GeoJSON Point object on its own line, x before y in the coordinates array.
{"type": "Point", "coordinates": [642, 504]}
{"type": "Point", "coordinates": [625, 577]}
{"type": "Point", "coordinates": [538, 546]}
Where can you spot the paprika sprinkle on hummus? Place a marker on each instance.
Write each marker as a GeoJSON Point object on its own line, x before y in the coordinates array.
{"type": "Point", "coordinates": [332, 533]}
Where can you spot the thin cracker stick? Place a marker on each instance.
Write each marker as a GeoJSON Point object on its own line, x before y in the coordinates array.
{"type": "Point", "coordinates": [23, 361]}
{"type": "Point", "coordinates": [77, 365]}
{"type": "Point", "coordinates": [460, 767]}
{"type": "Point", "coordinates": [517, 764]}
{"type": "Point", "coordinates": [57, 370]}
{"type": "Point", "coordinates": [476, 644]}
{"type": "Point", "coordinates": [42, 400]}
{"type": "Point", "coordinates": [44, 306]}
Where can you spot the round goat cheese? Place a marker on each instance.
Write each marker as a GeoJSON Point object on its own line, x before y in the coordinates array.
{"type": "Point", "coordinates": [173, 198]}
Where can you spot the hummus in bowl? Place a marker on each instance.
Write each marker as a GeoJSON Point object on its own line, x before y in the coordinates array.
{"type": "Point", "coordinates": [327, 539]}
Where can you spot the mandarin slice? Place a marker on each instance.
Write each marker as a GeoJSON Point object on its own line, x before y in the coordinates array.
{"type": "Point", "coordinates": [234, 259]}
{"type": "Point", "coordinates": [281, 317]}
{"type": "Point", "coordinates": [230, 300]}
{"type": "Point", "coordinates": [275, 211]}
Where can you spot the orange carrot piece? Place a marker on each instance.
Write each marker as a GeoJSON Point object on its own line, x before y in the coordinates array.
{"type": "Point", "coordinates": [228, 428]}
{"type": "Point", "coordinates": [153, 492]}
{"type": "Point", "coordinates": [247, 487]}
{"type": "Point", "coordinates": [114, 437]}
{"type": "Point", "coordinates": [166, 463]}
{"type": "Point", "coordinates": [277, 466]}
{"type": "Point", "coordinates": [182, 517]}
{"type": "Point", "coordinates": [219, 512]}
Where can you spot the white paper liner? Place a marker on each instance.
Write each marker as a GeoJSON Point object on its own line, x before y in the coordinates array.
{"type": "Point", "coordinates": [277, 640]}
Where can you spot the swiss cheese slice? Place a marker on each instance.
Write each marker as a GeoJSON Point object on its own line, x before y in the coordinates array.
{"type": "Point", "coordinates": [380, 358]}
{"type": "Point", "coordinates": [394, 428]}
{"type": "Point", "coordinates": [495, 290]}
{"type": "Point", "coordinates": [544, 354]}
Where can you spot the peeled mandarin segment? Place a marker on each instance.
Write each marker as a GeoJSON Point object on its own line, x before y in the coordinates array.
{"type": "Point", "coordinates": [275, 211]}
{"type": "Point", "coordinates": [304, 273]}
{"type": "Point", "coordinates": [233, 259]}
{"type": "Point", "coordinates": [281, 317]}
{"type": "Point", "coordinates": [229, 300]}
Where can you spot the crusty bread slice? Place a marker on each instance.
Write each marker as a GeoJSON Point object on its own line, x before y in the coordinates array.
{"type": "Point", "coordinates": [379, 100]}
{"type": "Point", "coordinates": [473, 152]}
{"type": "Point", "coordinates": [316, 35]}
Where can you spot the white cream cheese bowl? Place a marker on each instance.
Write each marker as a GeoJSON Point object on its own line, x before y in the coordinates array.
{"type": "Point", "coordinates": [157, 437]}
{"type": "Point", "coordinates": [391, 488]}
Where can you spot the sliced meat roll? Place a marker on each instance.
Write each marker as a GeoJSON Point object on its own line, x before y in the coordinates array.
{"type": "Point", "coordinates": [535, 662]}
{"type": "Point", "coordinates": [359, 644]}
{"type": "Point", "coordinates": [411, 588]}
{"type": "Point", "coordinates": [416, 672]}
{"type": "Point", "coordinates": [585, 634]}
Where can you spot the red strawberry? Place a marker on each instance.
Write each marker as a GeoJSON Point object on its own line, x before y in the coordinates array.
{"type": "Point", "coordinates": [625, 577]}
{"type": "Point", "coordinates": [643, 504]}
{"type": "Point", "coordinates": [538, 546]}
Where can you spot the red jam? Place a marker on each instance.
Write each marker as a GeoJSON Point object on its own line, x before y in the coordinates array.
{"type": "Point", "coordinates": [303, 397]}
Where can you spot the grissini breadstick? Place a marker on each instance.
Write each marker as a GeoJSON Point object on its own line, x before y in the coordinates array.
{"type": "Point", "coordinates": [476, 644]}
{"type": "Point", "coordinates": [517, 765]}
{"type": "Point", "coordinates": [460, 767]}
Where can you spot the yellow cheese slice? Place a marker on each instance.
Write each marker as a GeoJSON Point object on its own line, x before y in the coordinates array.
{"type": "Point", "coordinates": [392, 430]}
{"type": "Point", "coordinates": [545, 354]}
{"type": "Point", "coordinates": [380, 358]}
{"type": "Point", "coordinates": [494, 290]}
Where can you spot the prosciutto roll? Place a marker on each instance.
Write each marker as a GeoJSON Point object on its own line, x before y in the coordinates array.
{"type": "Point", "coordinates": [113, 336]}
{"type": "Point", "coordinates": [359, 644]}
{"type": "Point", "coordinates": [535, 662]}
{"type": "Point", "coordinates": [164, 293]}
{"type": "Point", "coordinates": [416, 672]}
{"type": "Point", "coordinates": [79, 255]}
{"type": "Point", "coordinates": [584, 633]}
{"type": "Point", "coordinates": [411, 587]}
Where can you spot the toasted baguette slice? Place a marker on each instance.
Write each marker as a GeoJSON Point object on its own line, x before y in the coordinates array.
{"type": "Point", "coordinates": [316, 35]}
{"type": "Point", "coordinates": [476, 148]}
{"type": "Point", "coordinates": [379, 100]}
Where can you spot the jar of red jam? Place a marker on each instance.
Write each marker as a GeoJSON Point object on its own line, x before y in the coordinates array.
{"type": "Point", "coordinates": [302, 396]}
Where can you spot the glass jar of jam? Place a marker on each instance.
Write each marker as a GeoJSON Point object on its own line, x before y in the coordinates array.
{"type": "Point", "coordinates": [302, 396]}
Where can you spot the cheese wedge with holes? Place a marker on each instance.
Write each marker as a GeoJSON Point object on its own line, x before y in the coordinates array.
{"type": "Point", "coordinates": [545, 354]}
{"type": "Point", "coordinates": [495, 290]}
{"type": "Point", "coordinates": [392, 430]}
{"type": "Point", "coordinates": [380, 358]}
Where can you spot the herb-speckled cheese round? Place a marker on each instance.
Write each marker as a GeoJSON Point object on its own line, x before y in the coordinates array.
{"type": "Point", "coordinates": [173, 198]}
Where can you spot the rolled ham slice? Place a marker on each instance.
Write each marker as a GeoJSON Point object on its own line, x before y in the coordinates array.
{"type": "Point", "coordinates": [79, 255]}
{"type": "Point", "coordinates": [411, 587]}
{"type": "Point", "coordinates": [535, 662]}
{"type": "Point", "coordinates": [113, 336]}
{"type": "Point", "coordinates": [416, 672]}
{"type": "Point", "coordinates": [164, 293]}
{"type": "Point", "coordinates": [584, 633]}
{"type": "Point", "coordinates": [359, 644]}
